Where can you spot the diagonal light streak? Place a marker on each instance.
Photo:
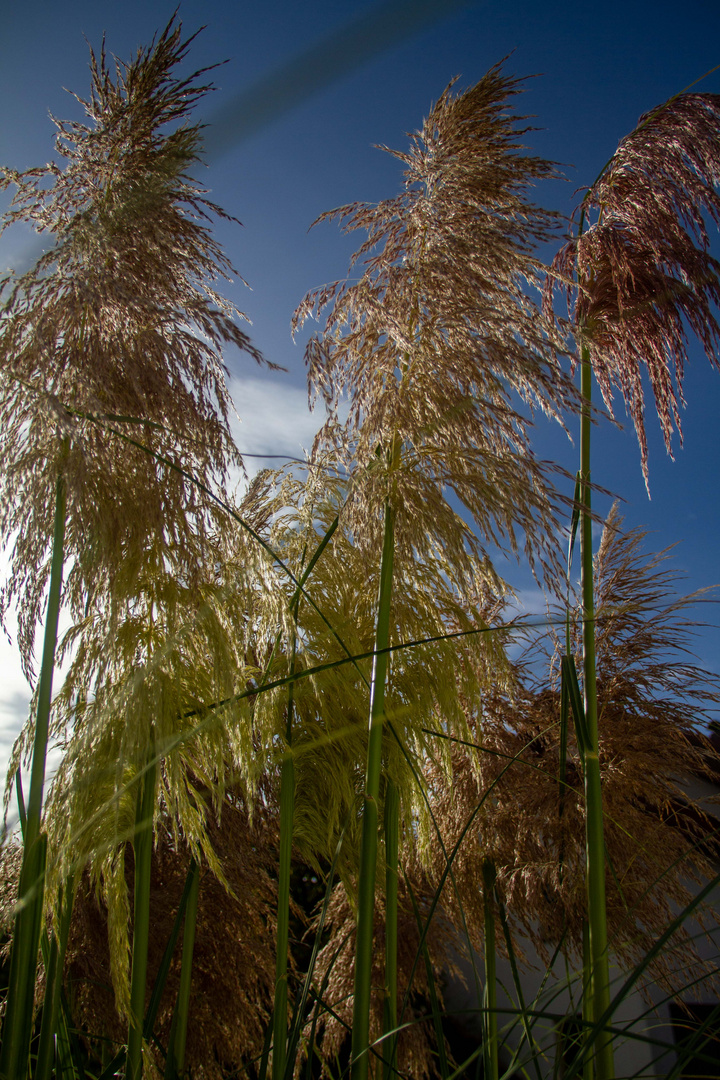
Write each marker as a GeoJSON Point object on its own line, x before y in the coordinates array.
{"type": "Point", "coordinates": [331, 58]}
{"type": "Point", "coordinates": [335, 55]}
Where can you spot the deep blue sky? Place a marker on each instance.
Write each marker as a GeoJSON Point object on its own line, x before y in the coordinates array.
{"type": "Point", "coordinates": [599, 68]}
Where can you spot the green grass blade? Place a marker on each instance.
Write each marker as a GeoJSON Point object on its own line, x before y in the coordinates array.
{"type": "Point", "coordinates": [17, 1029]}
{"type": "Point", "coordinates": [587, 1001]}
{"type": "Point", "coordinates": [67, 1055]}
{"type": "Point", "coordinates": [692, 1046]}
{"type": "Point", "coordinates": [562, 769]}
{"type": "Point", "coordinates": [527, 1029]}
{"type": "Point", "coordinates": [265, 1055]}
{"type": "Point", "coordinates": [432, 990]}
{"type": "Point", "coordinates": [164, 969]}
{"type": "Point", "coordinates": [42, 725]}
{"type": "Point", "coordinates": [571, 690]}
{"type": "Point", "coordinates": [298, 1020]}
{"type": "Point", "coordinates": [640, 968]}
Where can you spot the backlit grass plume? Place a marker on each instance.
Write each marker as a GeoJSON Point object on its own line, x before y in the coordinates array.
{"type": "Point", "coordinates": [439, 332]}
{"type": "Point", "coordinates": [653, 703]}
{"type": "Point", "coordinates": [335, 624]}
{"type": "Point", "coordinates": [640, 270]}
{"type": "Point", "coordinates": [146, 671]}
{"type": "Point", "coordinates": [119, 318]}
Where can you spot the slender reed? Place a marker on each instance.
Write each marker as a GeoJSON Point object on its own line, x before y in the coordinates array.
{"type": "Point", "coordinates": [599, 987]}
{"type": "Point", "coordinates": [53, 1025]}
{"type": "Point", "coordinates": [17, 1025]}
{"type": "Point", "coordinates": [287, 815]}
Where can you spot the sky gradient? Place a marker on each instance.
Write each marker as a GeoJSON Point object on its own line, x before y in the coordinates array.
{"type": "Point", "coordinates": [306, 92]}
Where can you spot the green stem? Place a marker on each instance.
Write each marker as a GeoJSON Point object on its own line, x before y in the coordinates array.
{"type": "Point", "coordinates": [42, 725]}
{"type": "Point", "coordinates": [392, 845]}
{"type": "Point", "coordinates": [178, 1030]}
{"type": "Point", "coordinates": [490, 1032]}
{"type": "Point", "coordinates": [369, 840]}
{"type": "Point", "coordinates": [287, 819]}
{"type": "Point", "coordinates": [595, 842]}
{"type": "Point", "coordinates": [17, 1028]}
{"type": "Point", "coordinates": [143, 844]}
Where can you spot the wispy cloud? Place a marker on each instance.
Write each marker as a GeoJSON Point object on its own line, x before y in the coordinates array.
{"type": "Point", "coordinates": [275, 420]}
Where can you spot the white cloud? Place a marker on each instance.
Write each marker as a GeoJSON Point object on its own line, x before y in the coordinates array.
{"type": "Point", "coordinates": [274, 419]}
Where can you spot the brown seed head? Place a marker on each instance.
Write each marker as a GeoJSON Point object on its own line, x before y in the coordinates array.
{"type": "Point", "coordinates": [640, 274]}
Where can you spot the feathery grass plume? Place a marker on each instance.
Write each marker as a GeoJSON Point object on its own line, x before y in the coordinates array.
{"type": "Point", "coordinates": [653, 703]}
{"type": "Point", "coordinates": [119, 319]}
{"type": "Point", "coordinates": [417, 1047]}
{"type": "Point", "coordinates": [232, 999]}
{"type": "Point", "coordinates": [439, 341]}
{"type": "Point", "coordinates": [428, 681]}
{"type": "Point", "coordinates": [163, 664]}
{"type": "Point", "coordinates": [640, 274]}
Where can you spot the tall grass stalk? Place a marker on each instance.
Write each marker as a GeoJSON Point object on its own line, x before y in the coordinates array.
{"type": "Point", "coordinates": [595, 837]}
{"type": "Point", "coordinates": [587, 998]}
{"type": "Point", "coordinates": [371, 799]}
{"type": "Point", "coordinates": [17, 1026]}
{"type": "Point", "coordinates": [287, 822]}
{"type": "Point", "coordinates": [428, 345]}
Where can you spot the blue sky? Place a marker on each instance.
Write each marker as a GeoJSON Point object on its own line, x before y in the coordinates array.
{"type": "Point", "coordinates": [279, 160]}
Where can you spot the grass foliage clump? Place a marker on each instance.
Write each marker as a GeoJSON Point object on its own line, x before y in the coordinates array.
{"type": "Point", "coordinates": [304, 777]}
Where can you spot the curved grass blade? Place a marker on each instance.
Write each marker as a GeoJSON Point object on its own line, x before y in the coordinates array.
{"type": "Point", "coordinates": [54, 959]}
